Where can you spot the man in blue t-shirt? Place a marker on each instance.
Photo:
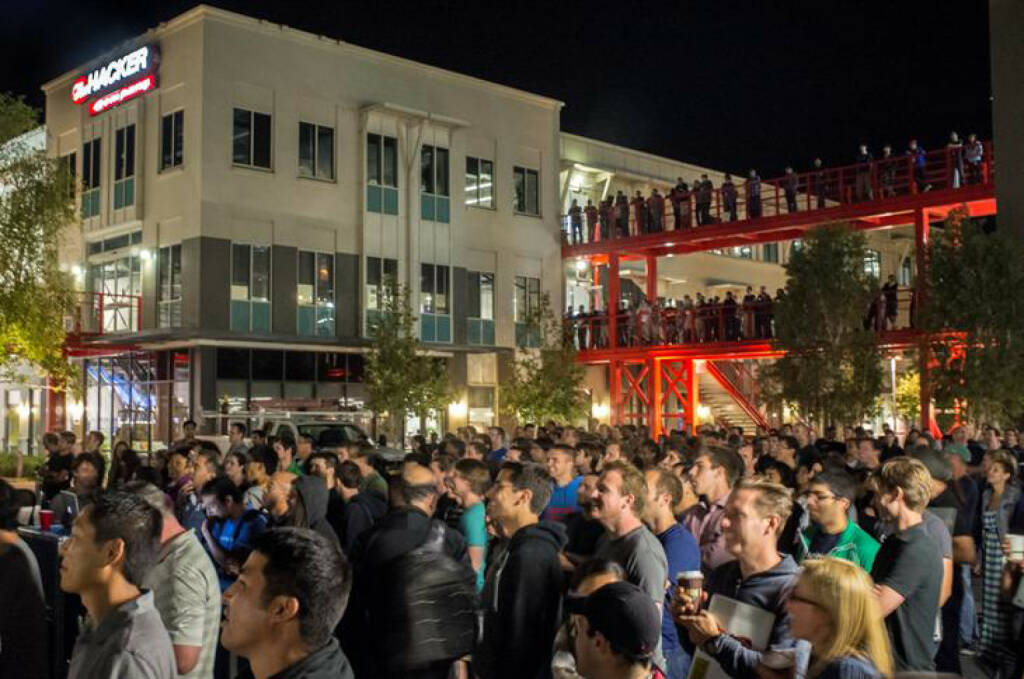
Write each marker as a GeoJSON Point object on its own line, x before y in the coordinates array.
{"type": "Point", "coordinates": [564, 500]}
{"type": "Point", "coordinates": [664, 491]}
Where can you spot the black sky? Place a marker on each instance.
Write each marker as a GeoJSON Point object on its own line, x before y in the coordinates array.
{"type": "Point", "coordinates": [729, 84]}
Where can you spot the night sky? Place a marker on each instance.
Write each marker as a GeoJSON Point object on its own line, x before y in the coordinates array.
{"type": "Point", "coordinates": [731, 85]}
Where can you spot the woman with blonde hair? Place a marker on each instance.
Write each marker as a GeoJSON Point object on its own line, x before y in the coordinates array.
{"type": "Point", "coordinates": [833, 606]}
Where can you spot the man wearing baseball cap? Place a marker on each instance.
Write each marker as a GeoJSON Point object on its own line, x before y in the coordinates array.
{"type": "Point", "coordinates": [615, 632]}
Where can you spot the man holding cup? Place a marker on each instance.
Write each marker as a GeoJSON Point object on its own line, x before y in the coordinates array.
{"type": "Point", "coordinates": [760, 576]}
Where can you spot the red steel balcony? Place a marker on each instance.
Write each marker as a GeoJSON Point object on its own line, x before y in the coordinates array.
{"type": "Point", "coordinates": [101, 313]}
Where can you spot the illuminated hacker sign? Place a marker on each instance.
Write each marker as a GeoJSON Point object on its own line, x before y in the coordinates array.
{"type": "Point", "coordinates": [120, 80]}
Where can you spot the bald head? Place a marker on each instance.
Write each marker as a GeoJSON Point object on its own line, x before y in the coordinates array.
{"type": "Point", "coordinates": [418, 487]}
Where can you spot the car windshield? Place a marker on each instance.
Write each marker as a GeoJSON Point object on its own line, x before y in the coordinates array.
{"type": "Point", "coordinates": [328, 434]}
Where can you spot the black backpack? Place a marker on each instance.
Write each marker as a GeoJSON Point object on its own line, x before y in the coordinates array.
{"type": "Point", "coordinates": [423, 609]}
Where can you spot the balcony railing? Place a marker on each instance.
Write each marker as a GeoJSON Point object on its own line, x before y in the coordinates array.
{"type": "Point", "coordinates": [101, 313]}
{"type": "Point", "coordinates": [749, 199]}
{"type": "Point", "coordinates": [712, 323]}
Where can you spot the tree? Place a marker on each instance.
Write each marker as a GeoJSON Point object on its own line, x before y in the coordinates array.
{"type": "Point", "coordinates": [400, 377]}
{"type": "Point", "coordinates": [832, 368]}
{"type": "Point", "coordinates": [546, 383]}
{"type": "Point", "coordinates": [35, 206]}
{"type": "Point", "coordinates": [908, 396]}
{"type": "Point", "coordinates": [975, 320]}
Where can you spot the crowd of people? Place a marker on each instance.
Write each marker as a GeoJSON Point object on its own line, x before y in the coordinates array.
{"type": "Point", "coordinates": [699, 203]}
{"type": "Point", "coordinates": [710, 318]}
{"type": "Point", "coordinates": [555, 552]}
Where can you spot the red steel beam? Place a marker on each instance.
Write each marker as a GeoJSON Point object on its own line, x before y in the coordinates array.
{"type": "Point", "coordinates": [741, 400]}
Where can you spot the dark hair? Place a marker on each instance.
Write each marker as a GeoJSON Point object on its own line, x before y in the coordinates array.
{"type": "Point", "coordinates": [481, 448]}
{"type": "Point", "coordinates": [8, 506]}
{"type": "Point", "coordinates": [50, 440]}
{"type": "Point", "coordinates": [98, 435]}
{"type": "Point", "coordinates": [364, 449]}
{"type": "Point", "coordinates": [96, 460]}
{"type": "Point", "coordinates": [838, 481]}
{"type": "Point", "coordinates": [266, 456]}
{"type": "Point", "coordinates": [241, 458]}
{"type": "Point", "coordinates": [149, 475]}
{"type": "Point", "coordinates": [330, 458]}
{"type": "Point", "coordinates": [414, 492]}
{"type": "Point", "coordinates": [669, 483]}
{"type": "Point", "coordinates": [68, 436]}
{"type": "Point", "coordinates": [459, 445]}
{"type": "Point", "coordinates": [240, 426]}
{"type": "Point", "coordinates": [790, 442]}
{"type": "Point", "coordinates": [726, 458]}
{"type": "Point", "coordinates": [210, 453]}
{"type": "Point", "coordinates": [596, 566]}
{"type": "Point", "coordinates": [184, 450]}
{"type": "Point", "coordinates": [419, 457]}
{"type": "Point", "coordinates": [304, 565]}
{"type": "Point", "coordinates": [445, 462]}
{"type": "Point", "coordinates": [287, 442]}
{"type": "Point", "coordinates": [129, 518]}
{"type": "Point", "coordinates": [476, 473]}
{"type": "Point", "coordinates": [534, 478]}
{"type": "Point", "coordinates": [188, 422]}
{"type": "Point", "coordinates": [222, 488]}
{"type": "Point", "coordinates": [349, 475]}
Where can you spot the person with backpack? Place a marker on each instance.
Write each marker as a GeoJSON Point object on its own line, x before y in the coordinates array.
{"type": "Point", "coordinates": [414, 603]}
{"type": "Point", "coordinates": [523, 591]}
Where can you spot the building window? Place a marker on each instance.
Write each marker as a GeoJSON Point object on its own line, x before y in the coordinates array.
{"type": "Point", "coordinates": [873, 263]}
{"type": "Point", "coordinates": [316, 294]}
{"type": "Point", "coordinates": [169, 300]}
{"type": "Point", "coordinates": [71, 173]}
{"type": "Point", "coordinates": [91, 179]}
{"type": "Point", "coordinates": [116, 287]}
{"type": "Point", "coordinates": [527, 186]}
{"type": "Point", "coordinates": [770, 252]}
{"type": "Point", "coordinates": [250, 288]}
{"type": "Point", "coordinates": [525, 305]}
{"type": "Point", "coordinates": [124, 167]}
{"type": "Point", "coordinates": [316, 151]}
{"type": "Point", "coordinates": [381, 174]}
{"type": "Point", "coordinates": [480, 321]}
{"type": "Point", "coordinates": [172, 140]}
{"type": "Point", "coordinates": [250, 144]}
{"type": "Point", "coordinates": [906, 272]}
{"type": "Point", "coordinates": [381, 281]}
{"type": "Point", "coordinates": [435, 303]}
{"type": "Point", "coordinates": [742, 251]}
{"type": "Point", "coordinates": [479, 182]}
{"type": "Point", "coordinates": [434, 190]}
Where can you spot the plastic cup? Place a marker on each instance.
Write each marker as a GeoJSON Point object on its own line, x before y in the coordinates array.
{"type": "Point", "coordinates": [1016, 546]}
{"type": "Point", "coordinates": [45, 519]}
{"type": "Point", "coordinates": [692, 584]}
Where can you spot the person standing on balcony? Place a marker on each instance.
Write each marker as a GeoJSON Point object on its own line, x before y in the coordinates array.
{"type": "Point", "coordinates": [685, 320]}
{"type": "Point", "coordinates": [729, 318]}
{"type": "Point", "coordinates": [862, 190]}
{"type": "Point", "coordinates": [590, 211]}
{"type": "Point", "coordinates": [606, 214]}
{"type": "Point", "coordinates": [820, 187]}
{"type": "Point", "coordinates": [918, 158]}
{"type": "Point", "coordinates": [622, 214]}
{"type": "Point", "coordinates": [582, 319]}
{"type": "Point", "coordinates": [749, 305]}
{"type": "Point", "coordinates": [729, 197]}
{"type": "Point", "coordinates": [887, 172]}
{"type": "Point", "coordinates": [639, 214]}
{"type": "Point", "coordinates": [656, 207]}
{"type": "Point", "coordinates": [576, 222]}
{"type": "Point", "coordinates": [704, 190]}
{"type": "Point", "coordinates": [890, 291]}
{"type": "Point", "coordinates": [974, 153]}
{"type": "Point", "coordinates": [790, 184]}
{"type": "Point", "coordinates": [680, 198]}
{"type": "Point", "coordinates": [955, 149]}
{"type": "Point", "coordinates": [762, 315]}
{"type": "Point", "coordinates": [753, 188]}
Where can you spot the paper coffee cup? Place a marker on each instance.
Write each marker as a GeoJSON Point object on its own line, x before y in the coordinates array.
{"type": "Point", "coordinates": [1016, 546]}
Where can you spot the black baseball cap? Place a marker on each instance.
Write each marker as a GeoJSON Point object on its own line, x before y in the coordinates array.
{"type": "Point", "coordinates": [624, 614]}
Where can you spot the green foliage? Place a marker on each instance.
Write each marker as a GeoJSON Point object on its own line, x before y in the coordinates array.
{"type": "Point", "coordinates": [832, 369]}
{"type": "Point", "coordinates": [29, 464]}
{"type": "Point", "coordinates": [908, 396]}
{"type": "Point", "coordinates": [35, 207]}
{"type": "Point", "coordinates": [547, 382]}
{"type": "Point", "coordinates": [400, 378]}
{"type": "Point", "coordinates": [974, 282]}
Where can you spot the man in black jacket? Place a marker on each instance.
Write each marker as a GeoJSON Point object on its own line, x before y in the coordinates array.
{"type": "Point", "coordinates": [522, 594]}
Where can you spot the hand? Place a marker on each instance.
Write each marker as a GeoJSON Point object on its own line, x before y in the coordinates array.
{"type": "Point", "coordinates": [683, 606]}
{"type": "Point", "coordinates": [701, 627]}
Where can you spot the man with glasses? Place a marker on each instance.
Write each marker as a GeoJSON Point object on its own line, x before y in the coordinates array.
{"type": "Point", "coordinates": [831, 532]}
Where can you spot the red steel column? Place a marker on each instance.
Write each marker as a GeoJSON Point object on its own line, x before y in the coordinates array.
{"type": "Point", "coordinates": [691, 395]}
{"type": "Point", "coordinates": [652, 279]}
{"type": "Point", "coordinates": [921, 240]}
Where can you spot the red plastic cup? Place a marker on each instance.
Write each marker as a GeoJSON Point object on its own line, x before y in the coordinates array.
{"type": "Point", "coordinates": [45, 519]}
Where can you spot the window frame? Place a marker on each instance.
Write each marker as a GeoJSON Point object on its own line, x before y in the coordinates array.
{"type": "Point", "coordinates": [873, 263]}
{"type": "Point", "coordinates": [166, 256]}
{"type": "Point", "coordinates": [250, 283]}
{"type": "Point", "coordinates": [478, 178]}
{"type": "Point", "coordinates": [177, 140]}
{"type": "Point", "coordinates": [523, 209]}
{"type": "Point", "coordinates": [124, 166]}
{"type": "Point", "coordinates": [251, 163]}
{"type": "Point", "coordinates": [316, 303]}
{"type": "Point", "coordinates": [317, 129]}
{"type": "Point", "coordinates": [92, 177]}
